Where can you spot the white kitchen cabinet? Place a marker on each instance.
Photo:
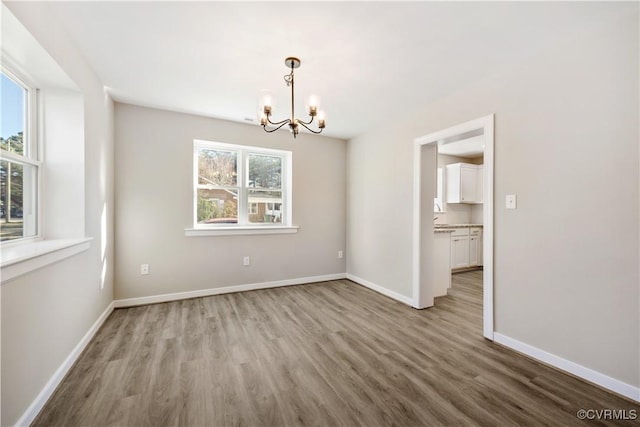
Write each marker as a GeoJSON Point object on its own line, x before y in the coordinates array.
{"type": "Point", "coordinates": [460, 248]}
{"type": "Point", "coordinates": [442, 261]}
{"type": "Point", "coordinates": [466, 247]}
{"type": "Point", "coordinates": [475, 246]}
{"type": "Point", "coordinates": [462, 183]}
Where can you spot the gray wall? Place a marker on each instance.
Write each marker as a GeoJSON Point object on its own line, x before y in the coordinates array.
{"type": "Point", "coordinates": [47, 312]}
{"type": "Point", "coordinates": [566, 142]}
{"type": "Point", "coordinates": [154, 152]}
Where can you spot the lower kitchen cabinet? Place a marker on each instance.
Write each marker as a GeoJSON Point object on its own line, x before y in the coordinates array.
{"type": "Point", "coordinates": [460, 248]}
{"type": "Point", "coordinates": [466, 247]}
{"type": "Point", "coordinates": [475, 246]}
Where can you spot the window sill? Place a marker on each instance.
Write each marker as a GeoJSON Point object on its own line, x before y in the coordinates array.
{"type": "Point", "coordinates": [239, 231]}
{"type": "Point", "coordinates": [23, 258]}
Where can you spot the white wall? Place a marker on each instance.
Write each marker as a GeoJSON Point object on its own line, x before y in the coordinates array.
{"type": "Point", "coordinates": [566, 142]}
{"type": "Point", "coordinates": [63, 147]}
{"type": "Point", "coordinates": [46, 313]}
{"type": "Point", "coordinates": [154, 158]}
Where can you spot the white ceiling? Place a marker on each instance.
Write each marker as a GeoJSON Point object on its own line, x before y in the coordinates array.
{"type": "Point", "coordinates": [469, 147]}
{"type": "Point", "coordinates": [368, 61]}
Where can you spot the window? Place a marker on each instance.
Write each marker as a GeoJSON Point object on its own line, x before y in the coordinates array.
{"type": "Point", "coordinates": [19, 165]}
{"type": "Point", "coordinates": [240, 186]}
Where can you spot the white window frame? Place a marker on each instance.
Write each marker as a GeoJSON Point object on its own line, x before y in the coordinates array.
{"type": "Point", "coordinates": [244, 226]}
{"type": "Point", "coordinates": [32, 147]}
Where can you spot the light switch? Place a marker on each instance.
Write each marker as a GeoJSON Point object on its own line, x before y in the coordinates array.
{"type": "Point", "coordinates": [511, 201]}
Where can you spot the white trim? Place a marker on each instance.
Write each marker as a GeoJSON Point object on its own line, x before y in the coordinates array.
{"type": "Point", "coordinates": [573, 368]}
{"type": "Point", "coordinates": [487, 124]}
{"type": "Point", "coordinates": [239, 231]}
{"type": "Point", "coordinates": [36, 406]}
{"type": "Point", "coordinates": [417, 227]}
{"type": "Point", "coordinates": [487, 230]}
{"type": "Point", "coordinates": [381, 290]}
{"type": "Point", "coordinates": [153, 299]}
{"type": "Point", "coordinates": [23, 258]}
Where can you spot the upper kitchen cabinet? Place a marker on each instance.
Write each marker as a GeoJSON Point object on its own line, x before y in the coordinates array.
{"type": "Point", "coordinates": [464, 183]}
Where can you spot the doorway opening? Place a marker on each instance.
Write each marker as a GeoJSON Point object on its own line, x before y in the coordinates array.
{"type": "Point", "coordinates": [433, 195]}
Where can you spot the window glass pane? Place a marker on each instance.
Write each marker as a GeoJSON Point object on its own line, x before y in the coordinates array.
{"type": "Point", "coordinates": [216, 167]}
{"type": "Point", "coordinates": [12, 115]}
{"type": "Point", "coordinates": [17, 200]}
{"type": "Point", "coordinates": [268, 205]}
{"type": "Point", "coordinates": [265, 171]}
{"type": "Point", "coordinates": [218, 206]}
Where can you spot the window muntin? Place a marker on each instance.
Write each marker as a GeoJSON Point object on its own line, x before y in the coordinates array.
{"type": "Point", "coordinates": [240, 185]}
{"type": "Point", "coordinates": [19, 165]}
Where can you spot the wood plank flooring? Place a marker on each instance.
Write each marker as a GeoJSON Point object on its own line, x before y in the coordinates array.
{"type": "Point", "coordinates": [326, 354]}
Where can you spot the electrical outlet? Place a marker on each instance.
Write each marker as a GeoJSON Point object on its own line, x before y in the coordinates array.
{"type": "Point", "coordinates": [144, 269]}
{"type": "Point", "coordinates": [246, 261]}
{"type": "Point", "coordinates": [340, 254]}
{"type": "Point", "coordinates": [511, 201]}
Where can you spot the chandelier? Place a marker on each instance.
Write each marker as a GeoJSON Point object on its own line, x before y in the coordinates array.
{"type": "Point", "coordinates": [312, 108]}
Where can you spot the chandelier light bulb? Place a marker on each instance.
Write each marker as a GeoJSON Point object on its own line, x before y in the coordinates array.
{"type": "Point", "coordinates": [322, 117]}
{"type": "Point", "coordinates": [312, 105]}
{"type": "Point", "coordinates": [267, 102]}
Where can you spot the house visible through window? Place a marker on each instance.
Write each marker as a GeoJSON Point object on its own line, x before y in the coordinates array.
{"type": "Point", "coordinates": [19, 165]}
{"type": "Point", "coordinates": [240, 185]}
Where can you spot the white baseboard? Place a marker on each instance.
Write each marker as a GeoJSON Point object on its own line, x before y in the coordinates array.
{"type": "Point", "coordinates": [580, 371]}
{"type": "Point", "coordinates": [130, 302]}
{"type": "Point", "coordinates": [384, 291]}
{"type": "Point", "coordinates": [44, 395]}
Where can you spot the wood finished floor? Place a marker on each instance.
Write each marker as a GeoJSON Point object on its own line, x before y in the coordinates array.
{"type": "Point", "coordinates": [326, 354]}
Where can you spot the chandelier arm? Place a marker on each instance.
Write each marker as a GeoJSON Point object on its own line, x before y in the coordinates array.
{"type": "Point", "coordinates": [274, 129]}
{"type": "Point", "coordinates": [308, 128]}
{"type": "Point", "coordinates": [282, 122]}
{"type": "Point", "coordinates": [306, 123]}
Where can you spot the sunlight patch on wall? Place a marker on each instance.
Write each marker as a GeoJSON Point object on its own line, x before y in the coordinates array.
{"type": "Point", "coordinates": [103, 245]}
